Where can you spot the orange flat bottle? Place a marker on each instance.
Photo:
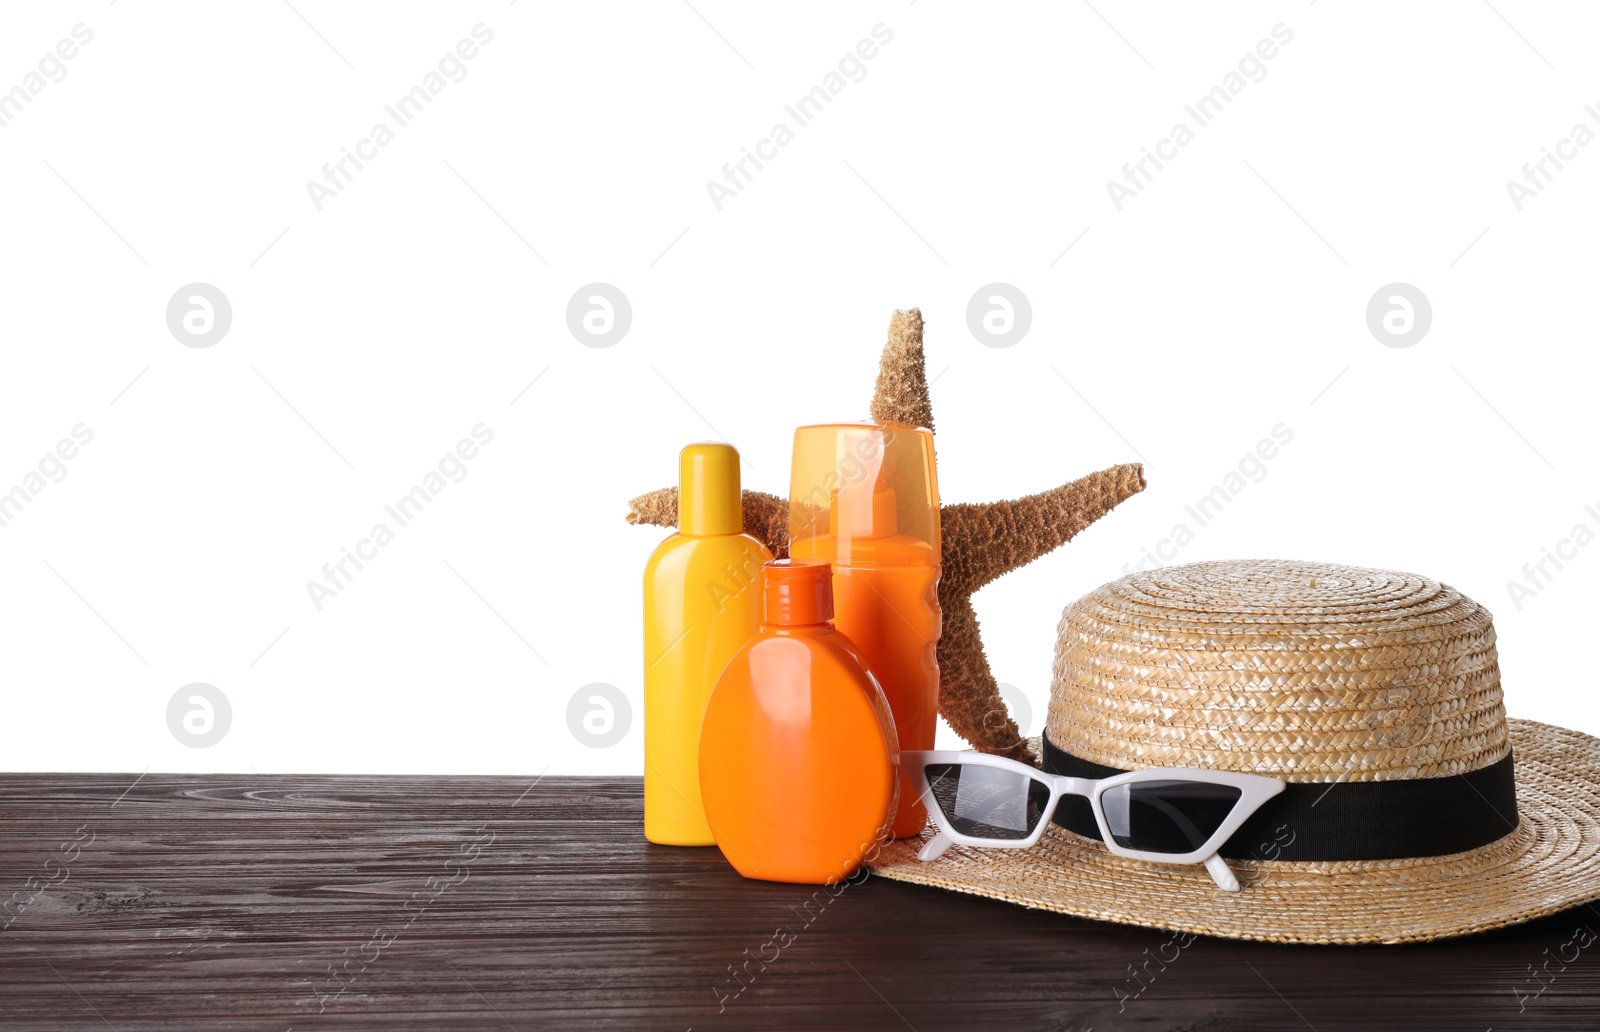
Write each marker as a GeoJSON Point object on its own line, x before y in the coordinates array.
{"type": "Point", "coordinates": [864, 497]}
{"type": "Point", "coordinates": [799, 767]}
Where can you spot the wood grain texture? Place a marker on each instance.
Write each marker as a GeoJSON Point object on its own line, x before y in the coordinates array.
{"type": "Point", "coordinates": [274, 903]}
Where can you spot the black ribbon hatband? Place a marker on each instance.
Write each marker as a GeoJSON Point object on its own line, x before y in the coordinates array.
{"type": "Point", "coordinates": [1344, 820]}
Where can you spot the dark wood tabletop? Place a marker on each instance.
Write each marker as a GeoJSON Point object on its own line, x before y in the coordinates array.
{"type": "Point", "coordinates": [277, 903]}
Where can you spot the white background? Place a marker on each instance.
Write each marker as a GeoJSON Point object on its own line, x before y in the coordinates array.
{"type": "Point", "coordinates": [368, 337]}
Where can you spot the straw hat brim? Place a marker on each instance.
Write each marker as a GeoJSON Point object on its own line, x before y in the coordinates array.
{"type": "Point", "coordinates": [1549, 864]}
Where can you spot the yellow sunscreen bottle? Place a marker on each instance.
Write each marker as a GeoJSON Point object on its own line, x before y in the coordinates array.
{"type": "Point", "coordinates": [702, 601]}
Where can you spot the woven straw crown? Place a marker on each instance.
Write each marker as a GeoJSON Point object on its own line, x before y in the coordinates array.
{"type": "Point", "coordinates": [1305, 671]}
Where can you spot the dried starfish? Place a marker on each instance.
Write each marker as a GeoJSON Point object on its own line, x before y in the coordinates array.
{"type": "Point", "coordinates": [981, 542]}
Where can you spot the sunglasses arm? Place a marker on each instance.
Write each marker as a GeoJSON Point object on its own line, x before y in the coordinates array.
{"type": "Point", "coordinates": [1220, 873]}
{"type": "Point", "coordinates": [934, 848]}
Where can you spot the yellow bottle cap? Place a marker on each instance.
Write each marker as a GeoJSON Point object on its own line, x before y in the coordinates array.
{"type": "Point", "coordinates": [708, 490]}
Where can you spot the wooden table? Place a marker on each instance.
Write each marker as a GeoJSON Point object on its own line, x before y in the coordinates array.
{"type": "Point", "coordinates": [317, 902]}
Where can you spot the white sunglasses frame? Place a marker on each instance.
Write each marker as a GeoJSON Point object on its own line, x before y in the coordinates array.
{"type": "Point", "coordinates": [1254, 790]}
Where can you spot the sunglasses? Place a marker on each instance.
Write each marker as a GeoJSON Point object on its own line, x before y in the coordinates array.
{"type": "Point", "coordinates": [1171, 815]}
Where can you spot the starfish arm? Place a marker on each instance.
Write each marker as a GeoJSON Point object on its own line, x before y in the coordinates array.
{"type": "Point", "coordinates": [969, 698]}
{"type": "Point", "coordinates": [982, 542]}
{"type": "Point", "coordinates": [766, 517]}
{"type": "Point", "coordinates": [658, 508]}
{"type": "Point", "coordinates": [901, 393]}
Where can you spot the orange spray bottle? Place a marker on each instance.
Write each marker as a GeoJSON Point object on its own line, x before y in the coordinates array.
{"type": "Point", "coordinates": [799, 767]}
{"type": "Point", "coordinates": [865, 498]}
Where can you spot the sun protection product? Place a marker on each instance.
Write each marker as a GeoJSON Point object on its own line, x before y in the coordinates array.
{"type": "Point", "coordinates": [798, 759]}
{"type": "Point", "coordinates": [702, 600]}
{"type": "Point", "coordinates": [864, 497]}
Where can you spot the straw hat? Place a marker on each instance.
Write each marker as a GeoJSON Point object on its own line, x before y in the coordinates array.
{"type": "Point", "coordinates": [1374, 694]}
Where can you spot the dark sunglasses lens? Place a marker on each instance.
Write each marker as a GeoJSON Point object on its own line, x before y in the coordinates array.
{"type": "Point", "coordinates": [1167, 816]}
{"type": "Point", "coordinates": [988, 802]}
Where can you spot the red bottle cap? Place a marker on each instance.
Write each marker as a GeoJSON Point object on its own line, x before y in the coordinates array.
{"type": "Point", "coordinates": [798, 591]}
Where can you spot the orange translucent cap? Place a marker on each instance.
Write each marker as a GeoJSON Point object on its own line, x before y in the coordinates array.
{"type": "Point", "coordinates": [798, 591]}
{"type": "Point", "coordinates": [864, 493]}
